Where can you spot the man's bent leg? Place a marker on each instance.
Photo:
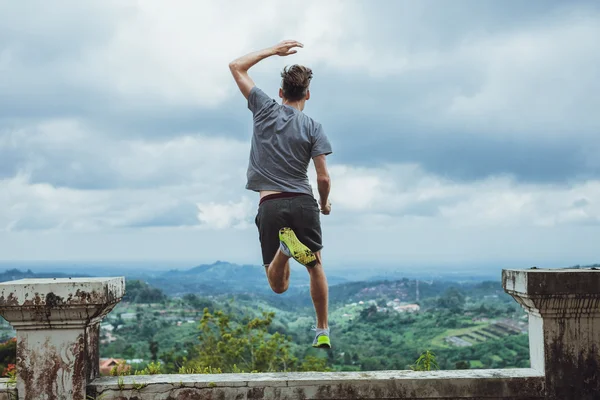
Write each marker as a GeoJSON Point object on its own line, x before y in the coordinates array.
{"type": "Point", "coordinates": [278, 272]}
{"type": "Point", "coordinates": [319, 292]}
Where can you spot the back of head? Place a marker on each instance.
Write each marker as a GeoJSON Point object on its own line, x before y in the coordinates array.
{"type": "Point", "coordinates": [295, 81]}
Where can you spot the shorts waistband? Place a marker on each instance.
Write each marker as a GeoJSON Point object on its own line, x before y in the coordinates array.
{"type": "Point", "coordinates": [283, 195]}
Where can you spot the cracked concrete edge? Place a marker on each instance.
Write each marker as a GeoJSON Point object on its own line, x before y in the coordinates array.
{"type": "Point", "coordinates": [503, 384]}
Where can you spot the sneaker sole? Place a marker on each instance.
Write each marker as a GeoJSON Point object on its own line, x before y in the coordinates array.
{"type": "Point", "coordinates": [325, 344]}
{"type": "Point", "coordinates": [299, 251]}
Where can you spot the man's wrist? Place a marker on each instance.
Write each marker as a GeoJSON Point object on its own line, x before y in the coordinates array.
{"type": "Point", "coordinates": [269, 51]}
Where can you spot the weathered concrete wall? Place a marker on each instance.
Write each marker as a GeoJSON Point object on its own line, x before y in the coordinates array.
{"type": "Point", "coordinates": [521, 384]}
{"type": "Point", "coordinates": [564, 328]}
{"type": "Point", "coordinates": [57, 324]}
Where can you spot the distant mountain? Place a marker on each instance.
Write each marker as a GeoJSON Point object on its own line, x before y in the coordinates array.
{"type": "Point", "coordinates": [225, 277]}
{"type": "Point", "coordinates": [15, 274]}
{"type": "Point", "coordinates": [220, 270]}
{"type": "Point", "coordinates": [220, 277]}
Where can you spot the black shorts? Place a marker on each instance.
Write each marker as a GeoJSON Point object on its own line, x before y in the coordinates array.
{"type": "Point", "coordinates": [301, 213]}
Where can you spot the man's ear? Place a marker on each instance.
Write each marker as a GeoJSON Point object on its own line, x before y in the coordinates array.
{"type": "Point", "coordinates": [281, 93]}
{"type": "Point", "coordinates": [308, 94]}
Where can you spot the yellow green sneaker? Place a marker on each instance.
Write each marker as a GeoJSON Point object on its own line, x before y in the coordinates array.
{"type": "Point", "coordinates": [322, 338]}
{"type": "Point", "coordinates": [295, 248]}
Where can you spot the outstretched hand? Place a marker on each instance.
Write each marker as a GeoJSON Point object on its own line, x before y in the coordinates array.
{"type": "Point", "coordinates": [286, 48]}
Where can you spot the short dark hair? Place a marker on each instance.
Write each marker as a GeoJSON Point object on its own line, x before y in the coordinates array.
{"type": "Point", "coordinates": [295, 81]}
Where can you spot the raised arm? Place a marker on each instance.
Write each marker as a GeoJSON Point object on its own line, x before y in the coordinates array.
{"type": "Point", "coordinates": [323, 183]}
{"type": "Point", "coordinates": [240, 66]}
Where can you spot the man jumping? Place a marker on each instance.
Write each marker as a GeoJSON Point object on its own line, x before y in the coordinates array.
{"type": "Point", "coordinates": [284, 141]}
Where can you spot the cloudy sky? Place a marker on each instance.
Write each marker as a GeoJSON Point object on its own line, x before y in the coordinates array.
{"type": "Point", "coordinates": [464, 132]}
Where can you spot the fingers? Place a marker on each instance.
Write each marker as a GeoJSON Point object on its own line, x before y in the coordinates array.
{"type": "Point", "coordinates": [292, 43]}
{"type": "Point", "coordinates": [326, 210]}
{"type": "Point", "coordinates": [285, 47]}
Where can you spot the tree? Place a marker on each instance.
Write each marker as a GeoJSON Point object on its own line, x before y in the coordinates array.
{"type": "Point", "coordinates": [116, 322]}
{"type": "Point", "coordinates": [141, 292]}
{"type": "Point", "coordinates": [197, 303]}
{"type": "Point", "coordinates": [153, 349]}
{"type": "Point", "coordinates": [347, 358]}
{"type": "Point", "coordinates": [8, 353]}
{"type": "Point", "coordinates": [245, 346]}
{"type": "Point", "coordinates": [453, 300]}
{"type": "Point", "coordinates": [368, 312]}
{"type": "Point", "coordinates": [425, 362]}
{"type": "Point", "coordinates": [312, 363]}
{"type": "Point", "coordinates": [331, 359]}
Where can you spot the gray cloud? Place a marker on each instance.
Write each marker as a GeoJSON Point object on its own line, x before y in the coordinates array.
{"type": "Point", "coordinates": [182, 214]}
{"type": "Point", "coordinates": [478, 114]}
{"type": "Point", "coordinates": [464, 156]}
{"type": "Point", "coordinates": [399, 115]}
{"type": "Point", "coordinates": [66, 153]}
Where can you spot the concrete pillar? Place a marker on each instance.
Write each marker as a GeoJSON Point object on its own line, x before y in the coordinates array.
{"type": "Point", "coordinates": [564, 327]}
{"type": "Point", "coordinates": [57, 323]}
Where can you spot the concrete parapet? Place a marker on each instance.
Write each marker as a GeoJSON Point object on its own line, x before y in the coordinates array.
{"type": "Point", "coordinates": [57, 324]}
{"type": "Point", "coordinates": [564, 327]}
{"type": "Point", "coordinates": [515, 384]}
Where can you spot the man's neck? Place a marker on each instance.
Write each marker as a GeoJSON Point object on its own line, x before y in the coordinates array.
{"type": "Point", "coordinates": [298, 105]}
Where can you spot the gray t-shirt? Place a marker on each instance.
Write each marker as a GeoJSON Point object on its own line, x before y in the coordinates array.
{"type": "Point", "coordinates": [283, 143]}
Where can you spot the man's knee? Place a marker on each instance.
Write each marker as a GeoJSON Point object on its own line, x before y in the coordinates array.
{"type": "Point", "coordinates": [279, 288]}
{"type": "Point", "coordinates": [317, 268]}
{"type": "Point", "coordinates": [318, 265]}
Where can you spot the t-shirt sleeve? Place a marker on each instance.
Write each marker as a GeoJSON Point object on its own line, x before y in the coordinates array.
{"type": "Point", "coordinates": [320, 144]}
{"type": "Point", "coordinates": [258, 100]}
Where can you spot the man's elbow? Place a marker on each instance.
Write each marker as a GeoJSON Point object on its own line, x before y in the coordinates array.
{"type": "Point", "coordinates": [234, 66]}
{"type": "Point", "coordinates": [324, 180]}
